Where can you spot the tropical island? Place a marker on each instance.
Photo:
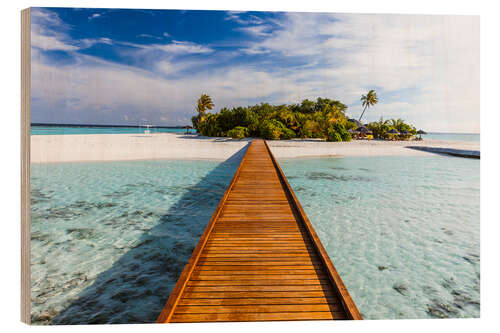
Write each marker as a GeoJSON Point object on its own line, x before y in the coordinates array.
{"type": "Point", "coordinates": [324, 119]}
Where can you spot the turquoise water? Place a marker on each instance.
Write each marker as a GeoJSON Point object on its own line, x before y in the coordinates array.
{"type": "Point", "coordinates": [453, 136]}
{"type": "Point", "coordinates": [403, 232]}
{"type": "Point", "coordinates": [66, 130]}
{"type": "Point", "coordinates": [109, 240]}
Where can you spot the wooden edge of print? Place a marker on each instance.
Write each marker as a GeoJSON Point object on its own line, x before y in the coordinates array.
{"type": "Point", "coordinates": [169, 308]}
{"type": "Point", "coordinates": [347, 302]}
{"type": "Point", "coordinates": [25, 165]}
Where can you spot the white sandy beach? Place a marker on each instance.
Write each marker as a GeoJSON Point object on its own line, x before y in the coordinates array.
{"type": "Point", "coordinates": [126, 147]}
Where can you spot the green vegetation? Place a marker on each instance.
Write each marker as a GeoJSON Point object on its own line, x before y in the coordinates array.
{"type": "Point", "coordinates": [337, 132]}
{"type": "Point", "coordinates": [204, 103]}
{"type": "Point", "coordinates": [382, 127]}
{"type": "Point", "coordinates": [368, 100]}
{"type": "Point", "coordinates": [238, 132]}
{"type": "Point", "coordinates": [323, 118]}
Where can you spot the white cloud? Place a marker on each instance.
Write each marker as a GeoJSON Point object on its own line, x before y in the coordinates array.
{"type": "Point", "coordinates": [256, 30]}
{"type": "Point", "coordinates": [48, 33]}
{"type": "Point", "coordinates": [88, 42]}
{"type": "Point", "coordinates": [50, 43]}
{"type": "Point", "coordinates": [148, 36]}
{"type": "Point", "coordinates": [43, 35]}
{"type": "Point", "coordinates": [173, 48]}
{"type": "Point", "coordinates": [40, 16]}
{"type": "Point", "coordinates": [94, 16]}
{"type": "Point", "coordinates": [236, 17]}
{"type": "Point", "coordinates": [180, 47]}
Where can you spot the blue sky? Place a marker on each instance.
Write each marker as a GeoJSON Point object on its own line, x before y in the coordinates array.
{"type": "Point", "coordinates": [111, 66]}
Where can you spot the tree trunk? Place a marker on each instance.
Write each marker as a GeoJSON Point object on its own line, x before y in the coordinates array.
{"type": "Point", "coordinates": [363, 112]}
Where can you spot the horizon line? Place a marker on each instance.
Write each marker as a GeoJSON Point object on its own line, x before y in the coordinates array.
{"type": "Point", "coordinates": [105, 125]}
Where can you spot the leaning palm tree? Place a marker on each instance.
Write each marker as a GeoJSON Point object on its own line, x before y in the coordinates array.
{"type": "Point", "coordinates": [204, 103]}
{"type": "Point", "coordinates": [368, 100]}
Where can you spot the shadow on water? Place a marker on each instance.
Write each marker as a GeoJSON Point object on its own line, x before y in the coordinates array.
{"type": "Point", "coordinates": [135, 288]}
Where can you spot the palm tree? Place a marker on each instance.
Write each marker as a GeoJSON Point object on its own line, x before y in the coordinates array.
{"type": "Point", "coordinates": [379, 128]}
{"type": "Point", "coordinates": [204, 103]}
{"type": "Point", "coordinates": [368, 100]}
{"type": "Point", "coordinates": [398, 124]}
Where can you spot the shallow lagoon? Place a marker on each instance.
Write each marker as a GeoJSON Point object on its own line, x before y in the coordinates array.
{"type": "Point", "coordinates": [110, 239]}
{"type": "Point", "coordinates": [403, 232]}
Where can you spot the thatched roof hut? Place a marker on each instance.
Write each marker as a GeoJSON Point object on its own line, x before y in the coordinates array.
{"type": "Point", "coordinates": [357, 122]}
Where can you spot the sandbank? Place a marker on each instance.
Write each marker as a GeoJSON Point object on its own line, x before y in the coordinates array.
{"type": "Point", "coordinates": [128, 147]}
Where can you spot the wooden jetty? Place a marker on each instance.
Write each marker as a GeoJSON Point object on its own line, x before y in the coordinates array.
{"type": "Point", "coordinates": [259, 258]}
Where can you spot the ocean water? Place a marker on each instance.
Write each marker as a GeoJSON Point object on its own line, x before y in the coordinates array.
{"type": "Point", "coordinates": [67, 130]}
{"type": "Point", "coordinates": [403, 232]}
{"type": "Point", "coordinates": [109, 240]}
{"type": "Point", "coordinates": [471, 137]}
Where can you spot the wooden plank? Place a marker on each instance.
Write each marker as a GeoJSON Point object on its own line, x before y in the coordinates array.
{"type": "Point", "coordinates": [267, 308]}
{"type": "Point", "coordinates": [268, 277]}
{"type": "Point", "coordinates": [260, 301]}
{"type": "Point", "coordinates": [258, 272]}
{"type": "Point", "coordinates": [213, 317]}
{"type": "Point", "coordinates": [258, 282]}
{"type": "Point", "coordinates": [209, 264]}
{"type": "Point", "coordinates": [259, 294]}
{"type": "Point", "coordinates": [257, 268]}
{"type": "Point", "coordinates": [281, 288]}
{"type": "Point", "coordinates": [254, 256]}
{"type": "Point", "coordinates": [257, 259]}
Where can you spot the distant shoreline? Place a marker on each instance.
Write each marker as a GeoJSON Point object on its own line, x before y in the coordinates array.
{"type": "Point", "coordinates": [95, 125]}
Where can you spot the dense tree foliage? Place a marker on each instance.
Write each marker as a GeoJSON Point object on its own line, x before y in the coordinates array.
{"type": "Point", "coordinates": [238, 132]}
{"type": "Point", "coordinates": [382, 127]}
{"type": "Point", "coordinates": [324, 118]}
{"type": "Point", "coordinates": [310, 119]}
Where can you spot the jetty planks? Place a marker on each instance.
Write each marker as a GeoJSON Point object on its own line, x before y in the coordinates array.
{"type": "Point", "coordinates": [259, 258]}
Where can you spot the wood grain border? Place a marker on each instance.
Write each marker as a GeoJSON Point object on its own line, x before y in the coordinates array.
{"type": "Point", "coordinates": [25, 165]}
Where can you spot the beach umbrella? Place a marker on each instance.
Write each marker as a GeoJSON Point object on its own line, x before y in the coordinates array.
{"type": "Point", "coordinates": [187, 128]}
{"type": "Point", "coordinates": [420, 132]}
{"type": "Point", "coordinates": [363, 129]}
{"type": "Point", "coordinates": [357, 122]}
{"type": "Point", "coordinates": [405, 133]}
{"type": "Point", "coordinates": [393, 131]}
